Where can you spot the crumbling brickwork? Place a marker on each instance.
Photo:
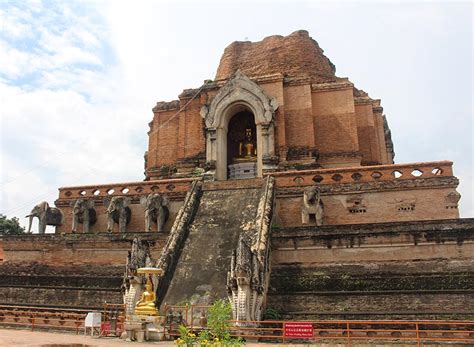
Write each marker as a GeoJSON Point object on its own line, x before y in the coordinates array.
{"type": "Point", "coordinates": [316, 110]}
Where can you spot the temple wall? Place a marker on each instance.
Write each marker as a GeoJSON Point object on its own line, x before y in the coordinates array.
{"type": "Point", "coordinates": [60, 297]}
{"type": "Point", "coordinates": [276, 90]}
{"type": "Point", "coordinates": [371, 194]}
{"type": "Point", "coordinates": [60, 285]}
{"type": "Point", "coordinates": [376, 207]}
{"type": "Point", "coordinates": [76, 249]}
{"type": "Point", "coordinates": [175, 190]}
{"type": "Point", "coordinates": [381, 138]}
{"type": "Point", "coordinates": [191, 140]}
{"type": "Point", "coordinates": [367, 132]}
{"type": "Point", "coordinates": [343, 131]}
{"type": "Point", "coordinates": [298, 116]}
{"type": "Point", "coordinates": [417, 270]}
{"type": "Point", "coordinates": [335, 126]}
{"type": "Point", "coordinates": [382, 248]}
{"type": "Point", "coordinates": [163, 149]}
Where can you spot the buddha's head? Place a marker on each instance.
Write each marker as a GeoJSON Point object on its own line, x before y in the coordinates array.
{"type": "Point", "coordinates": [149, 285]}
{"type": "Point", "coordinates": [248, 133]}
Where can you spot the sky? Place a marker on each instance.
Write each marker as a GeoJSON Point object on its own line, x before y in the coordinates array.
{"type": "Point", "coordinates": [78, 79]}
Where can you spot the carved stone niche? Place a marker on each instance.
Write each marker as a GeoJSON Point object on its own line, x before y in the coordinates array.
{"type": "Point", "coordinates": [355, 204]}
{"type": "Point", "coordinates": [238, 94]}
{"type": "Point", "coordinates": [452, 200]}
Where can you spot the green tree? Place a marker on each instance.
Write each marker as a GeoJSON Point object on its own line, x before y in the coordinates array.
{"type": "Point", "coordinates": [10, 226]}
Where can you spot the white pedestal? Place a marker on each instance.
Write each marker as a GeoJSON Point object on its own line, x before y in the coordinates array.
{"type": "Point", "coordinates": [243, 170]}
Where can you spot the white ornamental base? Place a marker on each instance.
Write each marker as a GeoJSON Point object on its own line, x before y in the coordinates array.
{"type": "Point", "coordinates": [243, 170]}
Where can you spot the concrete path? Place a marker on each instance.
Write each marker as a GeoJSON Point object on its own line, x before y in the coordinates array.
{"type": "Point", "coordinates": [14, 337]}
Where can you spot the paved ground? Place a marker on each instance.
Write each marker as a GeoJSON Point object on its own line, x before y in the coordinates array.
{"type": "Point", "coordinates": [13, 337]}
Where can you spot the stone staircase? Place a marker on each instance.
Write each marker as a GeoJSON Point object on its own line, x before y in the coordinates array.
{"type": "Point", "coordinates": [223, 214]}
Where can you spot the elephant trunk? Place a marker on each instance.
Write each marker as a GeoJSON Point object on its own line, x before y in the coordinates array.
{"type": "Point", "coordinates": [29, 224]}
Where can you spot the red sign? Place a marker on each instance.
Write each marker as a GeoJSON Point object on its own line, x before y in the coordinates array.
{"type": "Point", "coordinates": [298, 330]}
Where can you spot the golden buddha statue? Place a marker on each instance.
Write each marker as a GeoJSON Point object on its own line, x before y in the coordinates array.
{"type": "Point", "coordinates": [247, 148]}
{"type": "Point", "coordinates": [146, 305]}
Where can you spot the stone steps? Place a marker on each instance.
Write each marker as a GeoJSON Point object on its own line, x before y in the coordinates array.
{"type": "Point", "coordinates": [201, 273]}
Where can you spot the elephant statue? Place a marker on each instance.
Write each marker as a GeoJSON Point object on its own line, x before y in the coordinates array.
{"type": "Point", "coordinates": [118, 212]}
{"type": "Point", "coordinates": [46, 215]}
{"type": "Point", "coordinates": [156, 210]}
{"type": "Point", "coordinates": [313, 208]}
{"type": "Point", "coordinates": [83, 212]}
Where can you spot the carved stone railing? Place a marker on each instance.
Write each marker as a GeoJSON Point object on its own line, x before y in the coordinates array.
{"type": "Point", "coordinates": [168, 186]}
{"type": "Point", "coordinates": [174, 244]}
{"type": "Point", "coordinates": [249, 275]}
{"type": "Point", "coordinates": [364, 174]}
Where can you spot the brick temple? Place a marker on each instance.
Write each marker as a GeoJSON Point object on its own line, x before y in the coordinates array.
{"type": "Point", "coordinates": [277, 166]}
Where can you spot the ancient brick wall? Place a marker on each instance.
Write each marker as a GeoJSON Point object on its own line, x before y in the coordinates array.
{"type": "Point", "coordinates": [336, 131]}
{"type": "Point", "coordinates": [316, 110]}
{"type": "Point", "coordinates": [391, 270]}
{"type": "Point", "coordinates": [373, 207]}
{"type": "Point", "coordinates": [293, 55]}
{"type": "Point", "coordinates": [76, 249]}
{"type": "Point", "coordinates": [37, 284]}
{"type": "Point", "coordinates": [367, 132]}
{"type": "Point", "coordinates": [371, 194]}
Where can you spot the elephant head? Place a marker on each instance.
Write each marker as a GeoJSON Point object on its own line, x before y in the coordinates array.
{"type": "Point", "coordinates": [38, 211]}
{"type": "Point", "coordinates": [46, 215]}
{"type": "Point", "coordinates": [311, 196]}
{"type": "Point", "coordinates": [83, 212]}
{"type": "Point", "coordinates": [156, 210]}
{"type": "Point", "coordinates": [313, 207]}
{"type": "Point", "coordinates": [118, 212]}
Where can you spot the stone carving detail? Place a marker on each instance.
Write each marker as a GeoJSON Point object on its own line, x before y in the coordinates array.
{"type": "Point", "coordinates": [156, 210]}
{"type": "Point", "coordinates": [355, 204]}
{"type": "Point", "coordinates": [133, 284]}
{"type": "Point", "coordinates": [239, 88]}
{"type": "Point", "coordinates": [170, 253]}
{"type": "Point", "coordinates": [118, 212]}
{"type": "Point", "coordinates": [245, 282]}
{"type": "Point", "coordinates": [46, 216]}
{"type": "Point", "coordinates": [83, 212]}
{"type": "Point", "coordinates": [452, 200]}
{"type": "Point", "coordinates": [249, 274]}
{"type": "Point", "coordinates": [239, 91]}
{"type": "Point", "coordinates": [406, 205]}
{"type": "Point", "coordinates": [312, 206]}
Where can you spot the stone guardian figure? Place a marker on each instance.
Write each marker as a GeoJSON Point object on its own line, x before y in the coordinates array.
{"type": "Point", "coordinates": [83, 212]}
{"type": "Point", "coordinates": [312, 209]}
{"type": "Point", "coordinates": [46, 216]}
{"type": "Point", "coordinates": [118, 212]}
{"type": "Point", "coordinates": [156, 210]}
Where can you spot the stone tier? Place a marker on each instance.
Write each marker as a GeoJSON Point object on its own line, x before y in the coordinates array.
{"type": "Point", "coordinates": [389, 270]}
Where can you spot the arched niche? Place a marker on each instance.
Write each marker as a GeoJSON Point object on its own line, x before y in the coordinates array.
{"type": "Point", "coordinates": [237, 95]}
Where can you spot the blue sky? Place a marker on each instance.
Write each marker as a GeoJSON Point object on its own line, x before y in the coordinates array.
{"type": "Point", "coordinates": [78, 79]}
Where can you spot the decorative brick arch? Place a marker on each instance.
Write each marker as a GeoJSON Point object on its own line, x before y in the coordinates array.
{"type": "Point", "coordinates": [238, 94]}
